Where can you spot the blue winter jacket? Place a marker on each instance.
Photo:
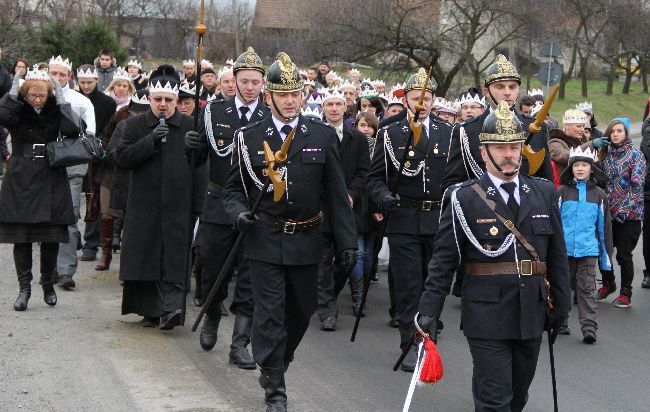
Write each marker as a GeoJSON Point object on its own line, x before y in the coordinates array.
{"type": "Point", "coordinates": [586, 221]}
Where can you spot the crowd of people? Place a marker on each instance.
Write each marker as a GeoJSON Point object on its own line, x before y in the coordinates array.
{"type": "Point", "coordinates": [356, 164]}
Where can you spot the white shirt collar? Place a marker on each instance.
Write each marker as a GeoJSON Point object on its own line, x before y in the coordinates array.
{"type": "Point", "coordinates": [251, 106]}
{"type": "Point", "coordinates": [497, 183]}
{"type": "Point", "coordinates": [278, 125]}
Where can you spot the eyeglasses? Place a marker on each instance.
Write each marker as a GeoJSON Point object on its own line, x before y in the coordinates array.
{"type": "Point", "coordinates": [587, 130]}
{"type": "Point", "coordinates": [34, 96]}
{"type": "Point", "coordinates": [159, 99]}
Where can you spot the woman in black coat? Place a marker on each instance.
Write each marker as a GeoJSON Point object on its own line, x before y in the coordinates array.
{"type": "Point", "coordinates": [35, 200]}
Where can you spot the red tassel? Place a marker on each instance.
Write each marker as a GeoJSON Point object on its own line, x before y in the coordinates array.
{"type": "Point", "coordinates": [432, 370]}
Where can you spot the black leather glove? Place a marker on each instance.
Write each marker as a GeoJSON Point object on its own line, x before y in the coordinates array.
{"type": "Point", "coordinates": [553, 323]}
{"type": "Point", "coordinates": [193, 140]}
{"type": "Point", "coordinates": [159, 132]}
{"type": "Point", "coordinates": [389, 202]}
{"type": "Point", "coordinates": [244, 221]}
{"type": "Point", "coordinates": [347, 259]}
{"type": "Point", "coordinates": [427, 323]}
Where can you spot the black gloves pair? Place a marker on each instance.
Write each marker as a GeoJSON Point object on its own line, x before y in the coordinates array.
{"type": "Point", "coordinates": [390, 203]}
{"type": "Point", "coordinates": [159, 133]}
{"type": "Point", "coordinates": [553, 323]}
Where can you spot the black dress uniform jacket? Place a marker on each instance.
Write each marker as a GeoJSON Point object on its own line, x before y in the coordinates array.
{"type": "Point", "coordinates": [157, 225]}
{"type": "Point", "coordinates": [499, 306]}
{"type": "Point", "coordinates": [355, 161]}
{"type": "Point", "coordinates": [32, 192]}
{"type": "Point", "coordinates": [458, 168]}
{"type": "Point", "coordinates": [221, 134]}
{"type": "Point", "coordinates": [313, 168]}
{"type": "Point", "coordinates": [423, 186]}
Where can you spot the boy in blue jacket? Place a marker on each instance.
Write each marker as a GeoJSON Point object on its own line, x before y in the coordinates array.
{"type": "Point", "coordinates": [587, 232]}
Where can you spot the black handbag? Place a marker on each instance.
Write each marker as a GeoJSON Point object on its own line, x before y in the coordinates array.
{"type": "Point", "coordinates": [67, 151]}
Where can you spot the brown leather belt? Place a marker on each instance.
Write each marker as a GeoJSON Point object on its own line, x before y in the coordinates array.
{"type": "Point", "coordinates": [524, 268]}
{"type": "Point", "coordinates": [425, 205]}
{"type": "Point", "coordinates": [291, 226]}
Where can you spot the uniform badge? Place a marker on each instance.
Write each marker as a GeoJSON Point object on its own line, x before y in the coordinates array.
{"type": "Point", "coordinates": [491, 191]}
{"type": "Point", "coordinates": [269, 131]}
{"type": "Point", "coordinates": [435, 149]}
{"type": "Point", "coordinates": [486, 220]}
{"type": "Point", "coordinates": [229, 109]}
{"type": "Point", "coordinates": [405, 129]}
{"type": "Point", "coordinates": [407, 164]}
{"type": "Point", "coordinates": [494, 231]}
{"type": "Point", "coordinates": [303, 128]}
{"type": "Point", "coordinates": [411, 153]}
{"type": "Point", "coordinates": [220, 142]}
{"type": "Point", "coordinates": [259, 113]}
{"type": "Point", "coordinates": [525, 188]}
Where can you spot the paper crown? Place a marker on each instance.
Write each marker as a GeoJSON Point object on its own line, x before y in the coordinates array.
{"type": "Point", "coordinates": [354, 71]}
{"type": "Point", "coordinates": [536, 108]}
{"type": "Point", "coordinates": [92, 73]}
{"type": "Point", "coordinates": [134, 63]}
{"type": "Point", "coordinates": [59, 61]}
{"type": "Point", "coordinates": [230, 62]}
{"type": "Point", "coordinates": [394, 100]}
{"type": "Point", "coordinates": [318, 99]}
{"type": "Point", "coordinates": [536, 92]}
{"type": "Point", "coordinates": [574, 116]}
{"type": "Point", "coordinates": [368, 92]}
{"type": "Point", "coordinates": [224, 70]}
{"type": "Point", "coordinates": [312, 110]}
{"type": "Point", "coordinates": [37, 74]}
{"type": "Point", "coordinates": [187, 88]}
{"type": "Point", "coordinates": [579, 153]}
{"type": "Point", "coordinates": [168, 87]}
{"type": "Point", "coordinates": [396, 87]}
{"type": "Point", "coordinates": [302, 72]}
{"type": "Point", "coordinates": [189, 62]}
{"type": "Point", "coordinates": [334, 93]}
{"type": "Point", "coordinates": [334, 75]}
{"type": "Point", "coordinates": [438, 102]}
{"type": "Point", "coordinates": [585, 107]}
{"type": "Point", "coordinates": [472, 98]}
{"type": "Point", "coordinates": [378, 82]}
{"type": "Point", "coordinates": [121, 74]}
{"type": "Point", "coordinates": [308, 82]}
{"type": "Point", "coordinates": [345, 84]}
{"type": "Point", "coordinates": [136, 99]}
{"type": "Point", "coordinates": [448, 106]}
{"type": "Point", "coordinates": [207, 63]}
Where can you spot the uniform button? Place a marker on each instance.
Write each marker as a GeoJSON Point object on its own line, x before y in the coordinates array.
{"type": "Point", "coordinates": [290, 203]}
{"type": "Point", "coordinates": [290, 183]}
{"type": "Point", "coordinates": [523, 285]}
{"type": "Point", "coordinates": [427, 192]}
{"type": "Point", "coordinates": [289, 162]}
{"type": "Point", "coordinates": [428, 180]}
{"type": "Point", "coordinates": [427, 167]}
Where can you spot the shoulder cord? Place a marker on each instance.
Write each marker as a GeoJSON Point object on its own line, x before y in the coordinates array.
{"type": "Point", "coordinates": [388, 146]}
{"type": "Point", "coordinates": [249, 168]}
{"type": "Point", "coordinates": [208, 130]}
{"type": "Point", "coordinates": [467, 154]}
{"type": "Point", "coordinates": [458, 211]}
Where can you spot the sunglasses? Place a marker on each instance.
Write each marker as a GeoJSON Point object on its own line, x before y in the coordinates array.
{"type": "Point", "coordinates": [159, 99]}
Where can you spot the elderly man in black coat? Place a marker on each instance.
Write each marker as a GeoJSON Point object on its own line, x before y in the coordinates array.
{"type": "Point", "coordinates": [164, 194]}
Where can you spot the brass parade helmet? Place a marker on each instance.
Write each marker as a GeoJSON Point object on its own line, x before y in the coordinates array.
{"type": "Point", "coordinates": [416, 81]}
{"type": "Point", "coordinates": [501, 70]}
{"type": "Point", "coordinates": [502, 126]}
{"type": "Point", "coordinates": [283, 75]}
{"type": "Point", "coordinates": [249, 60]}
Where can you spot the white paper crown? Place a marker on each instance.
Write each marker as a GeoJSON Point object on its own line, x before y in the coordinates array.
{"type": "Point", "coordinates": [121, 74]}
{"type": "Point", "coordinates": [185, 87]}
{"type": "Point", "coordinates": [398, 86]}
{"type": "Point", "coordinates": [354, 71]}
{"type": "Point", "coordinates": [574, 116]}
{"type": "Point", "coordinates": [536, 108]}
{"type": "Point", "coordinates": [134, 63]}
{"type": "Point", "coordinates": [308, 82]}
{"type": "Point", "coordinates": [303, 73]}
{"type": "Point", "coordinates": [230, 62]}
{"type": "Point", "coordinates": [378, 82]}
{"type": "Point", "coordinates": [223, 70]}
{"type": "Point", "coordinates": [37, 74]}
{"type": "Point", "coordinates": [585, 107]}
{"type": "Point", "coordinates": [312, 111]}
{"type": "Point", "coordinates": [92, 73]}
{"type": "Point", "coordinates": [368, 92]}
{"type": "Point", "coordinates": [366, 80]}
{"type": "Point", "coordinates": [536, 92]}
{"type": "Point", "coordinates": [189, 62]}
{"type": "Point", "coordinates": [394, 100]}
{"type": "Point", "coordinates": [384, 97]}
{"type": "Point", "coordinates": [345, 84]}
{"type": "Point", "coordinates": [137, 100]}
{"type": "Point", "coordinates": [167, 87]}
{"type": "Point", "coordinates": [335, 75]}
{"type": "Point", "coordinates": [448, 106]}
{"type": "Point", "coordinates": [587, 152]}
{"type": "Point", "coordinates": [472, 98]}
{"type": "Point", "coordinates": [335, 93]}
{"type": "Point", "coordinates": [207, 63]}
{"type": "Point", "coordinates": [58, 60]}
{"type": "Point", "coordinates": [438, 102]}
{"type": "Point", "coordinates": [316, 100]}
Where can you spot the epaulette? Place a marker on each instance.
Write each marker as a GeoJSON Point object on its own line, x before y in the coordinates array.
{"type": "Point", "coordinates": [217, 101]}
{"type": "Point", "coordinates": [389, 125]}
{"type": "Point", "coordinates": [248, 126]}
{"type": "Point", "coordinates": [465, 183]}
{"type": "Point", "coordinates": [438, 120]}
{"type": "Point", "coordinates": [319, 122]}
{"type": "Point", "coordinates": [468, 121]}
{"type": "Point", "coordinates": [543, 179]}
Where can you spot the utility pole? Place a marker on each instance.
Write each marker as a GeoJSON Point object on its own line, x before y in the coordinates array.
{"type": "Point", "coordinates": [235, 27]}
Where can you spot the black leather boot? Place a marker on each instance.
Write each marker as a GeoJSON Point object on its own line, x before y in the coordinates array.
{"type": "Point", "coordinates": [356, 290]}
{"type": "Point", "coordinates": [241, 336]}
{"type": "Point", "coordinates": [275, 390]}
{"type": "Point", "coordinates": [406, 336]}
{"type": "Point", "coordinates": [49, 295]}
{"type": "Point", "coordinates": [117, 234]}
{"type": "Point", "coordinates": [208, 336]}
{"type": "Point", "coordinates": [645, 284]}
{"type": "Point", "coordinates": [24, 283]}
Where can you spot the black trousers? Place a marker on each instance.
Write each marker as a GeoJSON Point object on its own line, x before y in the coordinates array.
{"type": "Point", "coordinates": [331, 279]}
{"type": "Point", "coordinates": [215, 243]}
{"type": "Point", "coordinates": [285, 299]}
{"type": "Point", "coordinates": [503, 372]}
{"type": "Point", "coordinates": [409, 258]}
{"type": "Point", "coordinates": [646, 234]}
{"type": "Point", "coordinates": [625, 236]}
{"type": "Point", "coordinates": [23, 257]}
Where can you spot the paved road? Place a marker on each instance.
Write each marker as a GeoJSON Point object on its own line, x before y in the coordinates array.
{"type": "Point", "coordinates": [83, 356]}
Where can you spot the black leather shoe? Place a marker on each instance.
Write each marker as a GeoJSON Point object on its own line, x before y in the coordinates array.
{"type": "Point", "coordinates": [328, 324]}
{"type": "Point", "coordinates": [275, 391]}
{"type": "Point", "coordinates": [49, 295]}
{"type": "Point", "coordinates": [241, 333]}
{"type": "Point", "coordinates": [22, 299]}
{"type": "Point", "coordinates": [408, 364]}
{"type": "Point", "coordinates": [66, 282]}
{"type": "Point", "coordinates": [149, 322]}
{"type": "Point", "coordinates": [208, 336]}
{"type": "Point", "coordinates": [170, 320]}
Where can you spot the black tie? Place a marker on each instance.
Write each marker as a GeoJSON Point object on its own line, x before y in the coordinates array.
{"type": "Point", "coordinates": [243, 120]}
{"type": "Point", "coordinates": [286, 129]}
{"type": "Point", "coordinates": [510, 187]}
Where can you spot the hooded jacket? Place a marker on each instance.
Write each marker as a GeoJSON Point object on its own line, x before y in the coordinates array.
{"type": "Point", "coordinates": [559, 146]}
{"type": "Point", "coordinates": [625, 166]}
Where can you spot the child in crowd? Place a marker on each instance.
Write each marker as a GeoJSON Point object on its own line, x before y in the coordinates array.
{"type": "Point", "coordinates": [587, 232]}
